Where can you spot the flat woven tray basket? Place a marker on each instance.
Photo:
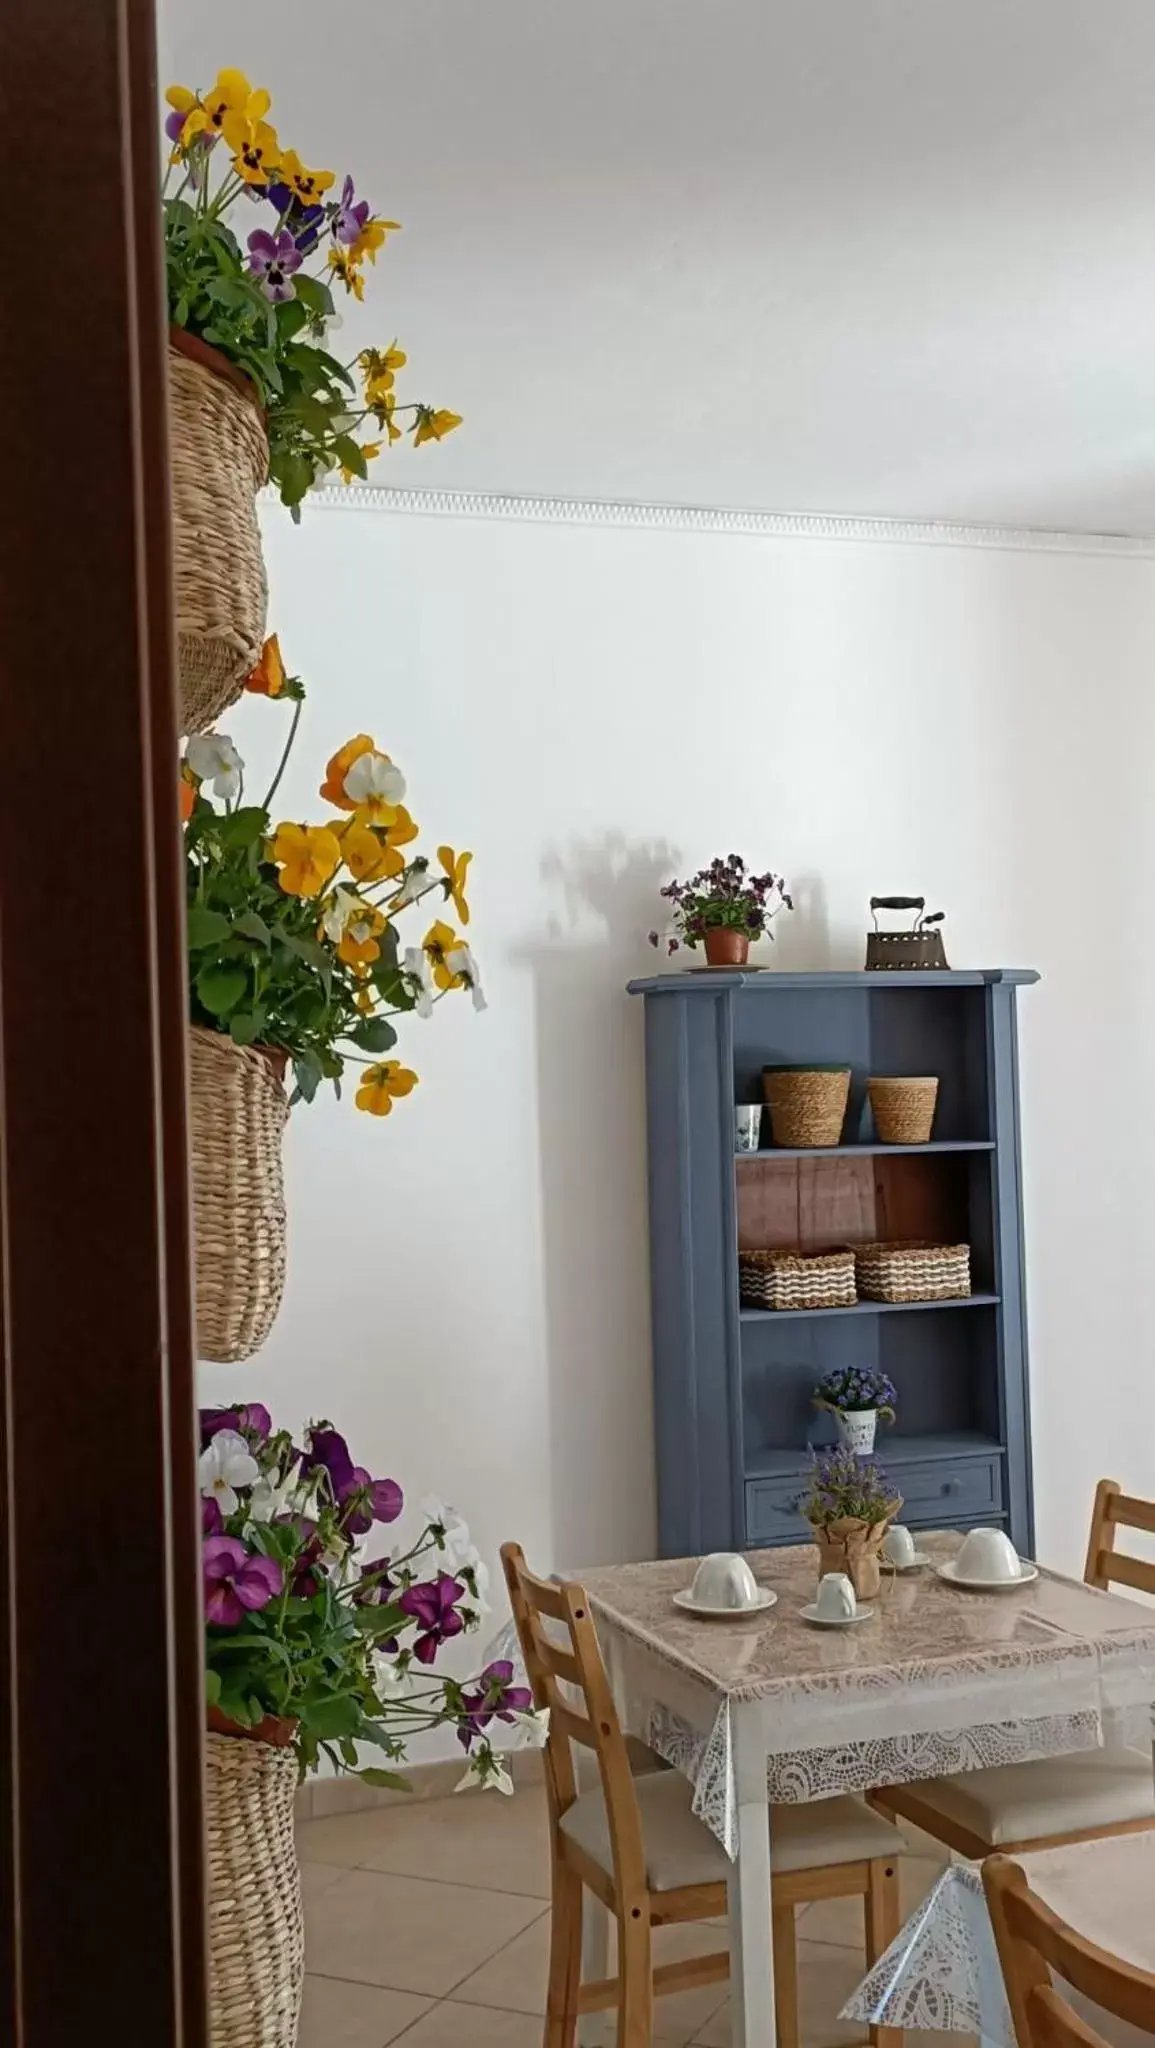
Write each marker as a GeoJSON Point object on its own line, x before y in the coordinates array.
{"type": "Point", "coordinates": [913, 1272]}
{"type": "Point", "coordinates": [796, 1280]}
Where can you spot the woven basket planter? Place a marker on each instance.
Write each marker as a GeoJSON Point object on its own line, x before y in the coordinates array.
{"type": "Point", "coordinates": [903, 1108]}
{"type": "Point", "coordinates": [807, 1104]}
{"type": "Point", "coordinates": [255, 1923]}
{"type": "Point", "coordinates": [913, 1272]}
{"type": "Point", "coordinates": [220, 459]}
{"type": "Point", "coordinates": [853, 1547]}
{"type": "Point", "coordinates": [796, 1280]}
{"type": "Point", "coordinates": [237, 1110]}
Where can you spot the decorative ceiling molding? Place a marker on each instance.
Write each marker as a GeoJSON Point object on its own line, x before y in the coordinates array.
{"type": "Point", "coordinates": [716, 519]}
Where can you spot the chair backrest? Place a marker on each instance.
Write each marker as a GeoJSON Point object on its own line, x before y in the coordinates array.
{"type": "Point", "coordinates": [1107, 1566]}
{"type": "Point", "coordinates": [1032, 1941]}
{"type": "Point", "coordinates": [576, 1663]}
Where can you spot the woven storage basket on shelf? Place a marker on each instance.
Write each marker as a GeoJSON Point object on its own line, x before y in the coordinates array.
{"type": "Point", "coordinates": [220, 459]}
{"type": "Point", "coordinates": [255, 1924]}
{"type": "Point", "coordinates": [903, 1107]}
{"type": "Point", "coordinates": [807, 1104]}
{"type": "Point", "coordinates": [237, 1113]}
{"type": "Point", "coordinates": [797, 1279]}
{"type": "Point", "coordinates": [913, 1272]}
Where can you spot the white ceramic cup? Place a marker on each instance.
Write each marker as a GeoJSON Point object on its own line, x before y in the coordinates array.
{"type": "Point", "coordinates": [748, 1126]}
{"type": "Point", "coordinates": [987, 1554]}
{"type": "Point", "coordinates": [836, 1601]}
{"type": "Point", "coordinates": [898, 1545]}
{"type": "Point", "coordinates": [725, 1580]}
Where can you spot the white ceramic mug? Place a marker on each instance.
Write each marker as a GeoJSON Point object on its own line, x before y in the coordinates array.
{"type": "Point", "coordinates": [725, 1580]}
{"type": "Point", "coordinates": [748, 1126]}
{"type": "Point", "coordinates": [988, 1554]}
{"type": "Point", "coordinates": [898, 1545]}
{"type": "Point", "coordinates": [836, 1601]}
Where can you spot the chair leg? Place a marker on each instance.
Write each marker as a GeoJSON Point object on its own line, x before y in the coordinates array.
{"type": "Point", "coordinates": [636, 1977]}
{"type": "Point", "coordinates": [883, 1919]}
{"type": "Point", "coordinates": [785, 1975]}
{"type": "Point", "coordinates": [565, 1949]}
{"type": "Point", "coordinates": [593, 2027]}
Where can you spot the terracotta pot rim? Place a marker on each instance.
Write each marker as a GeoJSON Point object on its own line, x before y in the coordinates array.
{"type": "Point", "coordinates": [212, 359]}
{"type": "Point", "coordinates": [275, 1730]}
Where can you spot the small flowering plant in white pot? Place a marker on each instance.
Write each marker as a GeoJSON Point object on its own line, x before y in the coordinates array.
{"type": "Point", "coordinates": [317, 1638]}
{"type": "Point", "coordinates": [857, 1396]}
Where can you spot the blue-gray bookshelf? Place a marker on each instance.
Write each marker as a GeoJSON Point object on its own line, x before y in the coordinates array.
{"type": "Point", "coordinates": [734, 1417]}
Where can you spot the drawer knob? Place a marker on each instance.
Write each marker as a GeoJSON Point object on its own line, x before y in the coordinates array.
{"type": "Point", "coordinates": [950, 1486]}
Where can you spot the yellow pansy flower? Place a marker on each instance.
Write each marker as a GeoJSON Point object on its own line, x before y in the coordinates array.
{"type": "Point", "coordinates": [307, 855]}
{"type": "Point", "coordinates": [343, 264]}
{"type": "Point", "coordinates": [358, 943]}
{"type": "Point", "coordinates": [439, 941]}
{"type": "Point", "coordinates": [372, 237]}
{"type": "Point", "coordinates": [333, 787]}
{"type": "Point", "coordinates": [378, 365]}
{"type": "Point", "coordinates": [382, 409]}
{"type": "Point", "coordinates": [365, 1001]}
{"type": "Point", "coordinates": [308, 186]}
{"type": "Point", "coordinates": [382, 1084]}
{"type": "Point", "coordinates": [433, 426]}
{"type": "Point", "coordinates": [256, 151]}
{"type": "Point", "coordinates": [368, 857]}
{"type": "Point", "coordinates": [455, 865]}
{"type": "Point", "coordinates": [267, 679]}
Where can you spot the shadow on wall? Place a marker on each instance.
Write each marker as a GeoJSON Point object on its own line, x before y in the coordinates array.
{"type": "Point", "coordinates": [591, 1118]}
{"type": "Point", "coordinates": [595, 1255]}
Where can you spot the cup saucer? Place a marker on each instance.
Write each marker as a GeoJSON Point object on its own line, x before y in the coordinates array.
{"type": "Point", "coordinates": [705, 1612]}
{"type": "Point", "coordinates": [811, 1614]}
{"type": "Point", "coordinates": [917, 1563]}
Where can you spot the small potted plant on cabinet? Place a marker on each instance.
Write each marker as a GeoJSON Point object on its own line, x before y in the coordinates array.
{"type": "Point", "coordinates": [722, 908]}
{"type": "Point", "coordinates": [857, 1396]}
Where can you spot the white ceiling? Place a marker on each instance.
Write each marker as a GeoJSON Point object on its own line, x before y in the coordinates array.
{"type": "Point", "coordinates": [862, 256]}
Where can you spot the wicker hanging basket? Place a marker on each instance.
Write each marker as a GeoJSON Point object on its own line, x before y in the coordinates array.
{"type": "Point", "coordinates": [237, 1111]}
{"type": "Point", "coordinates": [220, 459]}
{"type": "Point", "coordinates": [255, 1922]}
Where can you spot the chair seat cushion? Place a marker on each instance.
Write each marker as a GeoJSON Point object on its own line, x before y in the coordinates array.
{"type": "Point", "coordinates": [680, 1849]}
{"type": "Point", "coordinates": [1062, 1795]}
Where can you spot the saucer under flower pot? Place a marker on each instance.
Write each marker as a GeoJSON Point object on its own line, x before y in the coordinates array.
{"type": "Point", "coordinates": [726, 946]}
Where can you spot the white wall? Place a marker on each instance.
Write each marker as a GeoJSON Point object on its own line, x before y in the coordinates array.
{"type": "Point", "coordinates": [591, 710]}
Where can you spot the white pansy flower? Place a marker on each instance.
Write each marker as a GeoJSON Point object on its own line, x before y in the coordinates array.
{"type": "Point", "coordinates": [460, 960]}
{"type": "Point", "coordinates": [418, 882]}
{"type": "Point", "coordinates": [214, 759]}
{"type": "Point", "coordinates": [531, 1728]}
{"type": "Point", "coordinates": [341, 905]}
{"type": "Point", "coordinates": [485, 1769]}
{"type": "Point", "coordinates": [226, 1464]}
{"type": "Point", "coordinates": [450, 1532]}
{"type": "Point", "coordinates": [416, 969]}
{"type": "Point", "coordinates": [373, 781]}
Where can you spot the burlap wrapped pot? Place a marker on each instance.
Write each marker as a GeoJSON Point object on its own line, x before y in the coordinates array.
{"type": "Point", "coordinates": [220, 460]}
{"type": "Point", "coordinates": [237, 1113]}
{"type": "Point", "coordinates": [852, 1546]}
{"type": "Point", "coordinates": [255, 1922]}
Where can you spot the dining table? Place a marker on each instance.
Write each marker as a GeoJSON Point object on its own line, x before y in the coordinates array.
{"type": "Point", "coordinates": [767, 1709]}
{"type": "Point", "coordinates": [942, 1970]}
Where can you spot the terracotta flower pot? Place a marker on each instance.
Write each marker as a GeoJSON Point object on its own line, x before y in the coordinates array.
{"type": "Point", "coordinates": [219, 461]}
{"type": "Point", "coordinates": [852, 1546]}
{"type": "Point", "coordinates": [253, 1881]}
{"type": "Point", "coordinates": [726, 947]}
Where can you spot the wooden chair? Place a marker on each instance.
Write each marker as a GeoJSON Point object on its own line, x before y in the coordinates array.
{"type": "Point", "coordinates": [1032, 1941]}
{"type": "Point", "coordinates": [1012, 1808]}
{"type": "Point", "coordinates": [634, 1842]}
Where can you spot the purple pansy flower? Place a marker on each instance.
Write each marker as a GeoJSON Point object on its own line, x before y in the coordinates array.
{"type": "Point", "coordinates": [328, 1452]}
{"type": "Point", "coordinates": [174, 125]}
{"type": "Point", "coordinates": [212, 1521]}
{"type": "Point", "coordinates": [250, 1419]}
{"type": "Point", "coordinates": [237, 1581]}
{"type": "Point", "coordinates": [272, 260]}
{"type": "Point", "coordinates": [495, 1699]}
{"type": "Point", "coordinates": [303, 222]}
{"type": "Point", "coordinates": [365, 1501]}
{"type": "Point", "coordinates": [433, 1606]}
{"type": "Point", "coordinates": [349, 219]}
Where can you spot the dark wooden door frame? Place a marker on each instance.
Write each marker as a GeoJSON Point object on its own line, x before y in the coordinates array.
{"type": "Point", "coordinates": [101, 1888]}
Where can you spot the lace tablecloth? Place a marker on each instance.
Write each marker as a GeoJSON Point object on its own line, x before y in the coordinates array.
{"type": "Point", "coordinates": [942, 1970]}
{"type": "Point", "coordinates": [938, 1681]}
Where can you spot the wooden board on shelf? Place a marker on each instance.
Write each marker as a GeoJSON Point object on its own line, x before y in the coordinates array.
{"type": "Point", "coordinates": [813, 1204]}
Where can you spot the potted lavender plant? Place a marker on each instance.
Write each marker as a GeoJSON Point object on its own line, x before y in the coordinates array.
{"type": "Point", "coordinates": [722, 908]}
{"type": "Point", "coordinates": [849, 1503]}
{"type": "Point", "coordinates": [856, 1396]}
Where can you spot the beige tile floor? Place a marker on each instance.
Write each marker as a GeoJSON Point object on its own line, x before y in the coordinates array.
{"type": "Point", "coordinates": [430, 1924]}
